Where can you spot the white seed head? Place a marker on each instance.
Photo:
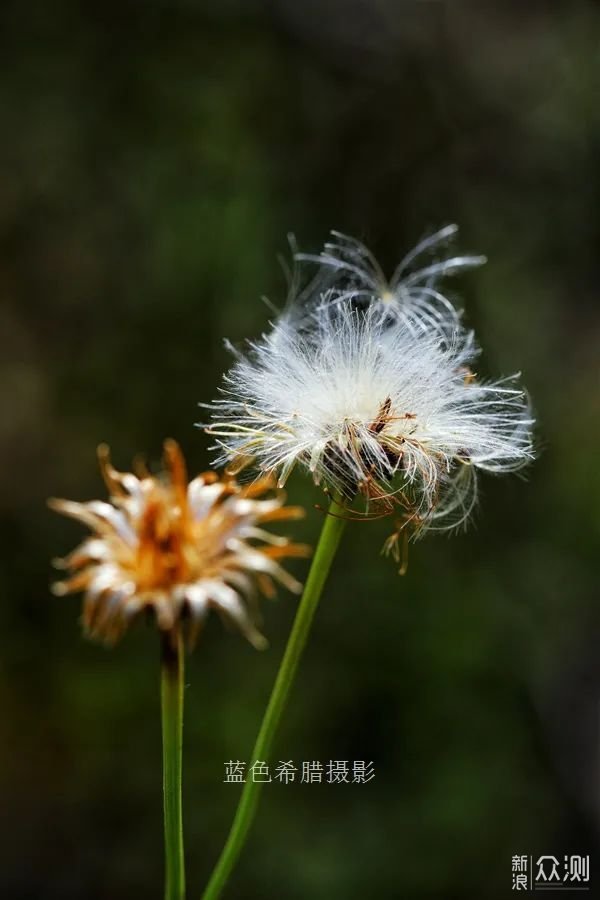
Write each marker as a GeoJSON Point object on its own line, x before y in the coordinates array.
{"type": "Point", "coordinates": [385, 406]}
{"type": "Point", "coordinates": [413, 293]}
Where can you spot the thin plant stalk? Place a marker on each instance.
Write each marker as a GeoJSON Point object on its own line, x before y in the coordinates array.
{"type": "Point", "coordinates": [248, 804]}
{"type": "Point", "coordinates": [171, 690]}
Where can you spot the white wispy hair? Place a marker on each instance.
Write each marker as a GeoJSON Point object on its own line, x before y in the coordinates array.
{"type": "Point", "coordinates": [370, 405]}
{"type": "Point", "coordinates": [413, 293]}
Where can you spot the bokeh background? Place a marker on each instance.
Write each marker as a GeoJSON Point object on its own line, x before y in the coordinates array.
{"type": "Point", "coordinates": [154, 157]}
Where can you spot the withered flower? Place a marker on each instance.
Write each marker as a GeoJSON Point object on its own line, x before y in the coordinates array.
{"type": "Point", "coordinates": [176, 549]}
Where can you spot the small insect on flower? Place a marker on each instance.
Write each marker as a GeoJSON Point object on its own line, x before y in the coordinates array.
{"type": "Point", "coordinates": [413, 292]}
{"type": "Point", "coordinates": [176, 550]}
{"type": "Point", "coordinates": [371, 407]}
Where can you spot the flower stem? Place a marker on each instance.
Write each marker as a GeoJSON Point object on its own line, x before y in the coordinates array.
{"type": "Point", "coordinates": [248, 803]}
{"type": "Point", "coordinates": [171, 691]}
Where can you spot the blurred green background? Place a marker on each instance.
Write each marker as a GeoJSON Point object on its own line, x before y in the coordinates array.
{"type": "Point", "coordinates": [154, 157]}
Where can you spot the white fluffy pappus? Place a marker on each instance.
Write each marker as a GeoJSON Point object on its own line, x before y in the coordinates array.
{"type": "Point", "coordinates": [413, 293]}
{"type": "Point", "coordinates": [369, 405]}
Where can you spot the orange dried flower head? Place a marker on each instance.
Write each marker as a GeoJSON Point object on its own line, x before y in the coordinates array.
{"type": "Point", "coordinates": [176, 549]}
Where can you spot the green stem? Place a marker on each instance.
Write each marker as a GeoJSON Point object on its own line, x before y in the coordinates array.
{"type": "Point", "coordinates": [171, 692]}
{"type": "Point", "coordinates": [248, 803]}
